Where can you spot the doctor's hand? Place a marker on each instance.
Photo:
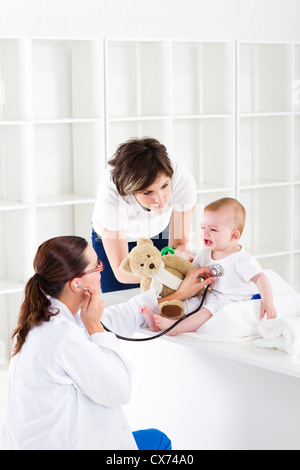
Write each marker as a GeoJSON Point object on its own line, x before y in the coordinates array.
{"type": "Point", "coordinates": [192, 282]}
{"type": "Point", "coordinates": [91, 312]}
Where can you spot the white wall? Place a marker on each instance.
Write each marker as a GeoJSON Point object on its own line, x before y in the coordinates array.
{"type": "Point", "coordinates": [274, 20]}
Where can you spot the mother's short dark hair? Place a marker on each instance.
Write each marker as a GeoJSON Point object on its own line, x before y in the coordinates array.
{"type": "Point", "coordinates": [137, 163]}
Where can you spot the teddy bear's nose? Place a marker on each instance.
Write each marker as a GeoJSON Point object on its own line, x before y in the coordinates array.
{"type": "Point", "coordinates": [151, 266]}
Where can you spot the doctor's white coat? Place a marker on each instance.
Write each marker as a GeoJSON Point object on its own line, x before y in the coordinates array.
{"type": "Point", "coordinates": [66, 388]}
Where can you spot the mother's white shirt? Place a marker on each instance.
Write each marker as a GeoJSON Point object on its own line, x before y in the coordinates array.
{"type": "Point", "coordinates": [115, 212]}
{"type": "Point", "coordinates": [66, 387]}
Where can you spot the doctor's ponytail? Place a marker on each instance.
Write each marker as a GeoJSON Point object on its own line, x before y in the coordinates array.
{"type": "Point", "coordinates": [57, 261]}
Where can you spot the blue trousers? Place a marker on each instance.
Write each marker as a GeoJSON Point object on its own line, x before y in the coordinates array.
{"type": "Point", "coordinates": [109, 282]}
{"type": "Point", "coordinates": [152, 439]}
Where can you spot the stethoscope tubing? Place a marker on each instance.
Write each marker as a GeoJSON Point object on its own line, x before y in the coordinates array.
{"type": "Point", "coordinates": [149, 338]}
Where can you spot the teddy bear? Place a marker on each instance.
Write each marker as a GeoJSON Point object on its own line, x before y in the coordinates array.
{"type": "Point", "coordinates": [163, 273]}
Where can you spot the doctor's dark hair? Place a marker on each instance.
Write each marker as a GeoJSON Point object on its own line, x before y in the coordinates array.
{"type": "Point", "coordinates": [56, 262]}
{"type": "Point", "coordinates": [137, 163]}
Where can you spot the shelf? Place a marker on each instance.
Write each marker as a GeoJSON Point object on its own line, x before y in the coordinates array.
{"type": "Point", "coordinates": [265, 207]}
{"type": "Point", "coordinates": [211, 160]}
{"type": "Point", "coordinates": [281, 264]}
{"type": "Point", "coordinates": [69, 219]}
{"type": "Point", "coordinates": [296, 83]}
{"type": "Point", "coordinates": [71, 157]}
{"type": "Point", "coordinates": [16, 149]}
{"type": "Point", "coordinates": [13, 123]}
{"type": "Point", "coordinates": [121, 119]}
{"type": "Point", "coordinates": [296, 272]}
{"type": "Point", "coordinates": [66, 121]}
{"type": "Point", "coordinates": [202, 116]}
{"type": "Point", "coordinates": [8, 286]}
{"type": "Point", "coordinates": [67, 78]}
{"type": "Point", "coordinates": [174, 116]}
{"type": "Point", "coordinates": [297, 217]}
{"type": "Point", "coordinates": [261, 183]}
{"type": "Point", "coordinates": [265, 150]}
{"type": "Point", "coordinates": [265, 77]}
{"type": "Point", "coordinates": [297, 148]}
{"type": "Point", "coordinates": [63, 200]}
{"type": "Point", "coordinates": [207, 189]}
{"type": "Point", "coordinates": [17, 247]}
{"type": "Point", "coordinates": [4, 366]}
{"type": "Point", "coordinates": [276, 114]}
{"type": "Point", "coordinates": [268, 251]}
{"type": "Point", "coordinates": [137, 78]}
{"type": "Point", "coordinates": [12, 205]}
{"type": "Point", "coordinates": [9, 307]}
{"type": "Point", "coordinates": [15, 79]}
{"type": "Point", "coordinates": [202, 74]}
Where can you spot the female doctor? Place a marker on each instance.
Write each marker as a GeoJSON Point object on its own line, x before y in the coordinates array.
{"type": "Point", "coordinates": [68, 378]}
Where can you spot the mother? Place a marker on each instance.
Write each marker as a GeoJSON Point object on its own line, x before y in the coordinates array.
{"type": "Point", "coordinates": [142, 194]}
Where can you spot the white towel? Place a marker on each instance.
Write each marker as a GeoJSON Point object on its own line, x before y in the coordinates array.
{"type": "Point", "coordinates": [282, 334]}
{"type": "Point", "coordinates": [239, 321]}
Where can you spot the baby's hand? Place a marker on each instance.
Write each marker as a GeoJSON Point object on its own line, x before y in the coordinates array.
{"type": "Point", "coordinates": [268, 310]}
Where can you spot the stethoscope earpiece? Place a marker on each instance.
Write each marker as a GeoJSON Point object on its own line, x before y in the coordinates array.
{"type": "Point", "coordinates": [81, 287]}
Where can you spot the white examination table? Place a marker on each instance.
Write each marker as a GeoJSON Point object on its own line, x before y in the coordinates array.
{"type": "Point", "coordinates": [209, 395]}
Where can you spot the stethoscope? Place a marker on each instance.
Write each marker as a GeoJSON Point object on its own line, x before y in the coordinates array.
{"type": "Point", "coordinates": [149, 338]}
{"type": "Point", "coordinates": [216, 270]}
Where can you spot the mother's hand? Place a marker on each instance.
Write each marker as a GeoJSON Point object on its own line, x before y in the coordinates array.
{"type": "Point", "coordinates": [192, 282]}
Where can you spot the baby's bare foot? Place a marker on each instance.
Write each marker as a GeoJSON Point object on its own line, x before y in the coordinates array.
{"type": "Point", "coordinates": [149, 317]}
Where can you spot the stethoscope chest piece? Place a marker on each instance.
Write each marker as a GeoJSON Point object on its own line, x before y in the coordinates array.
{"type": "Point", "coordinates": [217, 270]}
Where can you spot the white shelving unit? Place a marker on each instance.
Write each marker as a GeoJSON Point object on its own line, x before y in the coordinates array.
{"type": "Point", "coordinates": [51, 152]}
{"type": "Point", "coordinates": [268, 153]}
{"type": "Point", "coordinates": [227, 110]}
{"type": "Point", "coordinates": [182, 93]}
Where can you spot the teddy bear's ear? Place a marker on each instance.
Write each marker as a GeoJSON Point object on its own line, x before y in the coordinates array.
{"type": "Point", "coordinates": [125, 265]}
{"type": "Point", "coordinates": [143, 241]}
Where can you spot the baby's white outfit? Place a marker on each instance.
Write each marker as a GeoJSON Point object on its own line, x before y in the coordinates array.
{"type": "Point", "coordinates": [234, 285]}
